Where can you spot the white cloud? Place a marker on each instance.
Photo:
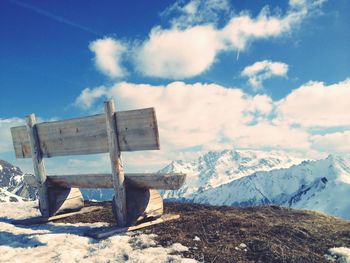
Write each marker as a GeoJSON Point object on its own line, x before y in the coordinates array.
{"type": "Point", "coordinates": [178, 53]}
{"type": "Point", "coordinates": [185, 50]}
{"type": "Point", "coordinates": [243, 29]}
{"type": "Point", "coordinates": [88, 96]}
{"type": "Point", "coordinates": [108, 56]}
{"type": "Point", "coordinates": [338, 142]}
{"type": "Point", "coordinates": [196, 12]}
{"type": "Point", "coordinates": [317, 105]}
{"type": "Point", "coordinates": [5, 133]}
{"type": "Point", "coordinates": [267, 135]}
{"type": "Point", "coordinates": [191, 44]}
{"type": "Point", "coordinates": [262, 70]}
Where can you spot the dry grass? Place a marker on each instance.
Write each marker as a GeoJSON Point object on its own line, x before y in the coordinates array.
{"type": "Point", "coordinates": [271, 233]}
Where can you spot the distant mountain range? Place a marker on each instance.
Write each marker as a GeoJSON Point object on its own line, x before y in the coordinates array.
{"type": "Point", "coordinates": [242, 178]}
{"type": "Point", "coordinates": [221, 167]}
{"type": "Point", "coordinates": [12, 186]}
{"type": "Point", "coordinates": [237, 177]}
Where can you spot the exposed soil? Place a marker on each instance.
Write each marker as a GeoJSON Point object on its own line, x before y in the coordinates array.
{"type": "Point", "coordinates": [214, 233]}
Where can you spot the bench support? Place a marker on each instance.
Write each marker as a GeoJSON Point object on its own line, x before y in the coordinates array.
{"type": "Point", "coordinates": [119, 200]}
{"type": "Point", "coordinates": [38, 163]}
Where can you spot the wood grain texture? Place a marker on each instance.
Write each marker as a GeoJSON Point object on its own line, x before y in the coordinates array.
{"type": "Point", "coordinates": [119, 200]}
{"type": "Point", "coordinates": [137, 130]}
{"type": "Point", "coordinates": [140, 180]}
{"type": "Point", "coordinates": [38, 164]}
{"type": "Point", "coordinates": [142, 204]}
{"type": "Point", "coordinates": [64, 199]}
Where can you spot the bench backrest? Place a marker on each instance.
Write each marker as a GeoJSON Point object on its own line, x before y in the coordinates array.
{"type": "Point", "coordinates": [137, 130]}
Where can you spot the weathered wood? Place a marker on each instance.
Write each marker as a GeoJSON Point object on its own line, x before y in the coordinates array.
{"type": "Point", "coordinates": [142, 205]}
{"type": "Point", "coordinates": [65, 199]}
{"type": "Point", "coordinates": [110, 231]}
{"type": "Point", "coordinates": [38, 163]}
{"type": "Point", "coordinates": [140, 180]}
{"type": "Point", "coordinates": [137, 130]}
{"type": "Point", "coordinates": [43, 220]}
{"type": "Point", "coordinates": [119, 200]}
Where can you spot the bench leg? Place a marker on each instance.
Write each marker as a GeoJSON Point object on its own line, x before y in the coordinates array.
{"type": "Point", "coordinates": [64, 199]}
{"type": "Point", "coordinates": [142, 204]}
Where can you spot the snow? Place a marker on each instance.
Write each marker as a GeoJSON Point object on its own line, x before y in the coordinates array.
{"type": "Point", "coordinates": [196, 238]}
{"type": "Point", "coordinates": [340, 254]}
{"type": "Point", "coordinates": [241, 247]}
{"type": "Point", "coordinates": [216, 168]}
{"type": "Point", "coordinates": [6, 196]}
{"type": "Point", "coordinates": [58, 242]}
{"type": "Point", "coordinates": [241, 178]}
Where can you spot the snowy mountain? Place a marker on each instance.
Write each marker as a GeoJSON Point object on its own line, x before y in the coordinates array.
{"type": "Point", "coordinates": [221, 167]}
{"type": "Point", "coordinates": [322, 185]}
{"type": "Point", "coordinates": [12, 186]}
{"type": "Point", "coordinates": [6, 196]}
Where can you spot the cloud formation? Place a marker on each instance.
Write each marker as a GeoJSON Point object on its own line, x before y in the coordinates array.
{"type": "Point", "coordinates": [208, 115]}
{"type": "Point", "coordinates": [317, 105]}
{"type": "Point", "coordinates": [108, 56]}
{"type": "Point", "coordinates": [178, 53]}
{"type": "Point", "coordinates": [195, 38]}
{"type": "Point", "coordinates": [5, 133]}
{"type": "Point", "coordinates": [262, 70]}
{"type": "Point", "coordinates": [196, 12]}
{"type": "Point", "coordinates": [332, 142]}
{"type": "Point", "coordinates": [88, 96]}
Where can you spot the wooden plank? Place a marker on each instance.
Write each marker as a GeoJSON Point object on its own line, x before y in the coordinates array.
{"type": "Point", "coordinates": [43, 220]}
{"type": "Point", "coordinates": [119, 199]}
{"type": "Point", "coordinates": [137, 131]}
{"type": "Point", "coordinates": [139, 180]}
{"type": "Point", "coordinates": [38, 163]}
{"type": "Point", "coordinates": [165, 181]}
{"type": "Point", "coordinates": [110, 231]}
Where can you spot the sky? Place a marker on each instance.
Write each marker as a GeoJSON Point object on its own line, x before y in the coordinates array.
{"type": "Point", "coordinates": [257, 75]}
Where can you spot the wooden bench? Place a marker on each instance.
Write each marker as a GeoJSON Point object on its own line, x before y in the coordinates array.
{"type": "Point", "coordinates": [135, 195]}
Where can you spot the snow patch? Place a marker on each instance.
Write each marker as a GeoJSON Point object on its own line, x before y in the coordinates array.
{"type": "Point", "coordinates": [58, 242]}
{"type": "Point", "coordinates": [339, 254]}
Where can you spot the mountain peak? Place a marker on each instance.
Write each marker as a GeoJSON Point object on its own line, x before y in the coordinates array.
{"type": "Point", "coordinates": [215, 168]}
{"type": "Point", "coordinates": [12, 184]}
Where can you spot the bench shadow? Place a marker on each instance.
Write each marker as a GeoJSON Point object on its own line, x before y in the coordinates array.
{"type": "Point", "coordinates": [21, 240]}
{"type": "Point", "coordinates": [18, 240]}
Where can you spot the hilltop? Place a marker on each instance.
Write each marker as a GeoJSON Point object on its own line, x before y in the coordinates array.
{"type": "Point", "coordinates": [243, 234]}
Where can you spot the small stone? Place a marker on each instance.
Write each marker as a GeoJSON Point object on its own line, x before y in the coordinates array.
{"type": "Point", "coordinates": [196, 238]}
{"type": "Point", "coordinates": [242, 246]}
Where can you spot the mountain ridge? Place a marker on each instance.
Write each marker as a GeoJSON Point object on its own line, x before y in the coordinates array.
{"type": "Point", "coordinates": [320, 185]}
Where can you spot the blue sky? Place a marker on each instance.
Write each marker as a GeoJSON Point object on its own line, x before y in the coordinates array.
{"type": "Point", "coordinates": [262, 75]}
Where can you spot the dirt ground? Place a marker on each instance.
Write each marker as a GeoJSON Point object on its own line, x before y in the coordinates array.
{"type": "Point", "coordinates": [215, 233]}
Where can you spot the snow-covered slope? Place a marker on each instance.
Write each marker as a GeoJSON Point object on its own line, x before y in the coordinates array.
{"type": "Point", "coordinates": [59, 242]}
{"type": "Point", "coordinates": [221, 167]}
{"type": "Point", "coordinates": [322, 185]}
{"type": "Point", "coordinates": [12, 185]}
{"type": "Point", "coordinates": [6, 196]}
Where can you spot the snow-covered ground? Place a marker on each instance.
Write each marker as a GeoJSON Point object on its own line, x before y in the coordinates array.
{"type": "Point", "coordinates": [339, 254]}
{"type": "Point", "coordinates": [58, 242]}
